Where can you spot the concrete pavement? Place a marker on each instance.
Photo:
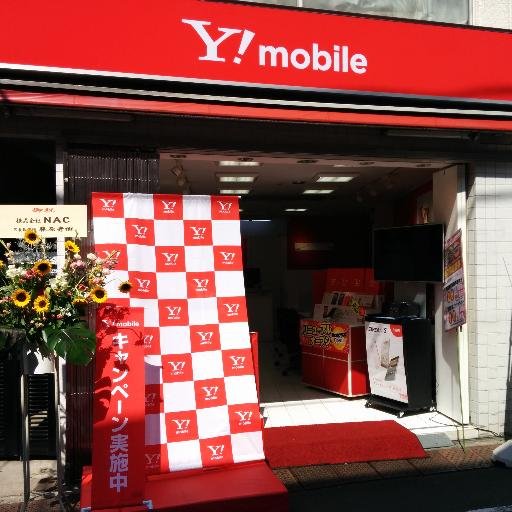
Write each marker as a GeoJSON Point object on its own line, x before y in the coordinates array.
{"type": "Point", "coordinates": [449, 480]}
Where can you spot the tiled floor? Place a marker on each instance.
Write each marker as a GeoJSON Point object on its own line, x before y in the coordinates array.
{"type": "Point", "coordinates": [286, 401]}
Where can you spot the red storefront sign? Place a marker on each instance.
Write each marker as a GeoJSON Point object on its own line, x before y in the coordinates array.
{"type": "Point", "coordinates": [198, 40]}
{"type": "Point", "coordinates": [118, 410]}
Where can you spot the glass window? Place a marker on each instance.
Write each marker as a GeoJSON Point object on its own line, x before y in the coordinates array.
{"type": "Point", "coordinates": [448, 11]}
{"type": "Point", "coordinates": [292, 3]}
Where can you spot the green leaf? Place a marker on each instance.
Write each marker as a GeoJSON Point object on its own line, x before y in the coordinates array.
{"type": "Point", "coordinates": [76, 343]}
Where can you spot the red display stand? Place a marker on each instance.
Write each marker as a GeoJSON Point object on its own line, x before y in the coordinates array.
{"type": "Point", "coordinates": [334, 357]}
{"type": "Point", "coordinates": [250, 487]}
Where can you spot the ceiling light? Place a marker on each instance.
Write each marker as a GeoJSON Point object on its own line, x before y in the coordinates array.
{"type": "Point", "coordinates": [296, 209]}
{"type": "Point", "coordinates": [318, 191]}
{"type": "Point", "coordinates": [307, 161]}
{"type": "Point", "coordinates": [236, 178]}
{"type": "Point", "coordinates": [237, 163]}
{"type": "Point", "coordinates": [341, 165]}
{"type": "Point", "coordinates": [234, 192]}
{"type": "Point", "coordinates": [334, 178]}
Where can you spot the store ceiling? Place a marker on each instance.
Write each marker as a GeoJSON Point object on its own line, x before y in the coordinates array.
{"type": "Point", "coordinates": [280, 182]}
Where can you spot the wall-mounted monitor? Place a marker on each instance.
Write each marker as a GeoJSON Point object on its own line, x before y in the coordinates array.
{"type": "Point", "coordinates": [409, 253]}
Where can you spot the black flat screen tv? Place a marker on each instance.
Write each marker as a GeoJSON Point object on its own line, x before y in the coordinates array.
{"type": "Point", "coordinates": [409, 253]}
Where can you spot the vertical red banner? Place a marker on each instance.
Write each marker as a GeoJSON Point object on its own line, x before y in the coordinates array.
{"type": "Point", "coordinates": [118, 410]}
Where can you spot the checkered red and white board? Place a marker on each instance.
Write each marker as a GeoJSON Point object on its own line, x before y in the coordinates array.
{"type": "Point", "coordinates": [183, 256]}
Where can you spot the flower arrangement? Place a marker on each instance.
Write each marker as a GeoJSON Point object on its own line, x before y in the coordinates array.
{"type": "Point", "coordinates": [47, 305]}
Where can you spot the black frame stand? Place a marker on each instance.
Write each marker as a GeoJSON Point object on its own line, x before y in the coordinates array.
{"type": "Point", "coordinates": [418, 346]}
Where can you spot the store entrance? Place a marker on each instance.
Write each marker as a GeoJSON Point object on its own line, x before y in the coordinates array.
{"type": "Point", "coordinates": [302, 220]}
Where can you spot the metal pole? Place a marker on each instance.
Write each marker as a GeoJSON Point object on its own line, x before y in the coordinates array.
{"type": "Point", "coordinates": [24, 431]}
{"type": "Point", "coordinates": [56, 388]}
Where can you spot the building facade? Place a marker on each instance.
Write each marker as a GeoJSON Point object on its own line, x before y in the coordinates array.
{"type": "Point", "coordinates": [95, 122]}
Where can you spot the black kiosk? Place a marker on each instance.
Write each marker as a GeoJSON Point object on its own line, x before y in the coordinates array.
{"type": "Point", "coordinates": [400, 362]}
{"type": "Point", "coordinates": [400, 343]}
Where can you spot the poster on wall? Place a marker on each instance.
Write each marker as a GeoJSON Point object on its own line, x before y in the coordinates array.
{"type": "Point", "coordinates": [385, 355]}
{"type": "Point", "coordinates": [454, 296]}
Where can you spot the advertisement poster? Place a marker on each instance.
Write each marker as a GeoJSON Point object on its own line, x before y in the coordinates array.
{"type": "Point", "coordinates": [454, 296]}
{"type": "Point", "coordinates": [326, 335]}
{"type": "Point", "coordinates": [385, 355]}
{"type": "Point", "coordinates": [118, 409]}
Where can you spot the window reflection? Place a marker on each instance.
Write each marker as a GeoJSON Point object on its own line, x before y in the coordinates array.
{"type": "Point", "coordinates": [453, 11]}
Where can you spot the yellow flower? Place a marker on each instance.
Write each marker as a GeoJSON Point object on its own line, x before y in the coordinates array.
{"type": "Point", "coordinates": [79, 301]}
{"type": "Point", "coordinates": [20, 297]}
{"type": "Point", "coordinates": [41, 304]}
{"type": "Point", "coordinates": [42, 267]}
{"type": "Point", "coordinates": [71, 246]}
{"type": "Point", "coordinates": [125, 287]}
{"type": "Point", "coordinates": [2, 264]}
{"type": "Point", "coordinates": [98, 294]}
{"type": "Point", "coordinates": [31, 237]}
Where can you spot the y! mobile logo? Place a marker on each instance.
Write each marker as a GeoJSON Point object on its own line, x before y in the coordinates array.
{"type": "Point", "coordinates": [152, 459]}
{"type": "Point", "coordinates": [225, 207]}
{"type": "Point", "coordinates": [108, 204]}
{"type": "Point", "coordinates": [206, 337]}
{"type": "Point", "coordinates": [198, 232]}
{"type": "Point", "coordinates": [201, 285]}
{"type": "Point", "coordinates": [210, 392]}
{"type": "Point", "coordinates": [171, 259]}
{"type": "Point", "coordinates": [228, 257]}
{"type": "Point", "coordinates": [141, 231]}
{"type": "Point", "coordinates": [245, 417]}
{"type": "Point", "coordinates": [181, 426]}
{"type": "Point", "coordinates": [150, 400]}
{"type": "Point", "coordinates": [217, 451]}
{"type": "Point", "coordinates": [177, 366]}
{"type": "Point", "coordinates": [111, 254]}
{"type": "Point", "coordinates": [174, 312]}
{"type": "Point", "coordinates": [337, 58]}
{"type": "Point", "coordinates": [232, 309]}
{"type": "Point", "coordinates": [143, 285]}
{"type": "Point", "coordinates": [148, 340]}
{"type": "Point", "coordinates": [238, 361]}
{"type": "Point", "coordinates": [169, 206]}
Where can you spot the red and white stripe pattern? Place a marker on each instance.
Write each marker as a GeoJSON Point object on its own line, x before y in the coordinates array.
{"type": "Point", "coordinates": [183, 256]}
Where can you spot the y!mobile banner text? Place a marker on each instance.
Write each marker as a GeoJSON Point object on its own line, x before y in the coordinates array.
{"type": "Point", "coordinates": [213, 42]}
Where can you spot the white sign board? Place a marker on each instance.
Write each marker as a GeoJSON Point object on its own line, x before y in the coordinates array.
{"type": "Point", "coordinates": [50, 221]}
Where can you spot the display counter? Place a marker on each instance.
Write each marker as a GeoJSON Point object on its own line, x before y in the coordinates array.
{"type": "Point", "coordinates": [334, 357]}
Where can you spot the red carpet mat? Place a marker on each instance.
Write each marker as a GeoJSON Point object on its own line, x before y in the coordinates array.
{"type": "Point", "coordinates": [335, 443]}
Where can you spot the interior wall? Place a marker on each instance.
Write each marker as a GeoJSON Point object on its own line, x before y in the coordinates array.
{"type": "Point", "coordinates": [450, 346]}
{"type": "Point", "coordinates": [265, 250]}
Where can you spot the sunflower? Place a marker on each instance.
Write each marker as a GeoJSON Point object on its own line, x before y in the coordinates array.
{"type": "Point", "coordinates": [41, 304]}
{"type": "Point", "coordinates": [42, 267]}
{"type": "Point", "coordinates": [31, 237]}
{"type": "Point", "coordinates": [79, 301]}
{"type": "Point", "coordinates": [98, 294]}
{"type": "Point", "coordinates": [125, 287]}
{"type": "Point", "coordinates": [20, 297]}
{"type": "Point", "coordinates": [71, 246]}
{"type": "Point", "coordinates": [2, 264]}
